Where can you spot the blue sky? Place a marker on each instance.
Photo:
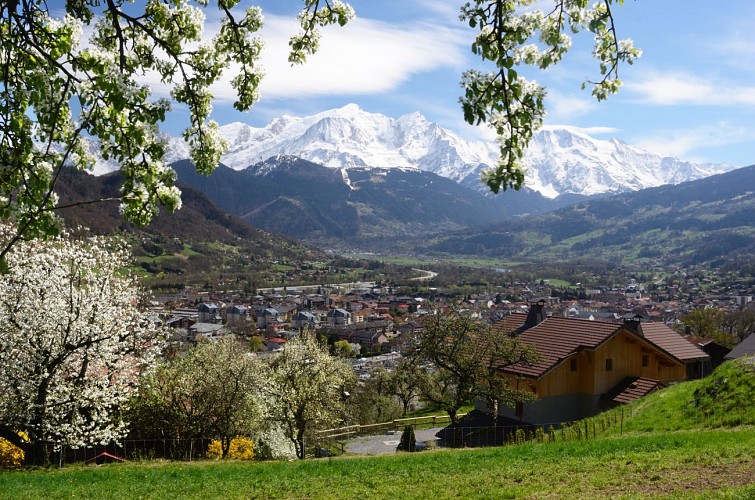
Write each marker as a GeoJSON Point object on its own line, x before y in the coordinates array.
{"type": "Point", "coordinates": [691, 95]}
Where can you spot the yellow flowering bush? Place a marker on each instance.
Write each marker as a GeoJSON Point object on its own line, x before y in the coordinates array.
{"type": "Point", "coordinates": [242, 448]}
{"type": "Point", "coordinates": [10, 454]}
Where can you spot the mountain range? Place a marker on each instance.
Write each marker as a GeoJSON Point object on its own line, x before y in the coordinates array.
{"type": "Point", "coordinates": [327, 206]}
{"type": "Point", "coordinates": [708, 221]}
{"type": "Point", "coordinates": [347, 179]}
{"type": "Point", "coordinates": [560, 161]}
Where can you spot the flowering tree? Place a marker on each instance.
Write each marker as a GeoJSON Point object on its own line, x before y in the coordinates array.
{"type": "Point", "coordinates": [71, 340]}
{"type": "Point", "coordinates": [512, 33]}
{"type": "Point", "coordinates": [55, 91]}
{"type": "Point", "coordinates": [212, 391]}
{"type": "Point", "coordinates": [307, 389]}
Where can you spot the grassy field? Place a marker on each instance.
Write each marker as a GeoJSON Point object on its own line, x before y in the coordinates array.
{"type": "Point", "coordinates": [689, 464]}
{"type": "Point", "coordinates": [691, 440]}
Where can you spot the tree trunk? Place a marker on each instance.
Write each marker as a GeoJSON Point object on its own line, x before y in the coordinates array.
{"type": "Point", "coordinates": [300, 449]}
{"type": "Point", "coordinates": [225, 445]}
{"type": "Point", "coordinates": [12, 437]}
{"type": "Point", "coordinates": [453, 415]}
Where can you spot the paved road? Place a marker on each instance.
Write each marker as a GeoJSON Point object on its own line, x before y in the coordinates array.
{"type": "Point", "coordinates": [386, 443]}
{"type": "Point", "coordinates": [428, 275]}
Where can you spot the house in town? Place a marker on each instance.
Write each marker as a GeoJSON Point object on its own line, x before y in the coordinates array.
{"type": "Point", "coordinates": [304, 320]}
{"type": "Point", "coordinates": [237, 314]}
{"type": "Point", "coordinates": [339, 317]}
{"type": "Point", "coordinates": [585, 366]}
{"type": "Point", "coordinates": [208, 313]}
{"type": "Point", "coordinates": [267, 316]}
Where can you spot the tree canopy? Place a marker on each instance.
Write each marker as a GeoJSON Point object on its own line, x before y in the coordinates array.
{"type": "Point", "coordinates": [307, 390]}
{"type": "Point", "coordinates": [211, 391]}
{"type": "Point", "coordinates": [466, 357]}
{"type": "Point", "coordinates": [71, 341]}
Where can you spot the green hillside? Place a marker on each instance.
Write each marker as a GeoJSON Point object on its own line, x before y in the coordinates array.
{"type": "Point", "coordinates": [203, 245]}
{"type": "Point", "coordinates": [705, 221]}
{"type": "Point", "coordinates": [724, 399]}
{"type": "Point", "coordinates": [650, 459]}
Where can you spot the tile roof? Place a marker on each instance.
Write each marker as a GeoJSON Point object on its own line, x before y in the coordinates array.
{"type": "Point", "coordinates": [667, 339]}
{"type": "Point", "coordinates": [557, 338]}
{"type": "Point", "coordinates": [510, 323]}
{"type": "Point", "coordinates": [632, 388]}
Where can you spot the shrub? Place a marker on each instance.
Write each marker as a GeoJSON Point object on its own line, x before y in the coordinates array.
{"type": "Point", "coordinates": [241, 448]}
{"type": "Point", "coordinates": [10, 454]}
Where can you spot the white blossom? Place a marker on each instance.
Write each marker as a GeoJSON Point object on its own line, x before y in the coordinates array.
{"type": "Point", "coordinates": [71, 340]}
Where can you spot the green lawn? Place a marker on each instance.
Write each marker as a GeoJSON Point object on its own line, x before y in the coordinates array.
{"type": "Point", "coordinates": [691, 440]}
{"type": "Point", "coordinates": [689, 464]}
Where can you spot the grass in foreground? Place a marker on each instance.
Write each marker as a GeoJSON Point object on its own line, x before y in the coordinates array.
{"type": "Point", "coordinates": [703, 464]}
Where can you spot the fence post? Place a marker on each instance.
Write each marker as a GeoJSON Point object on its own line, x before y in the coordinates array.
{"type": "Point", "coordinates": [621, 427]}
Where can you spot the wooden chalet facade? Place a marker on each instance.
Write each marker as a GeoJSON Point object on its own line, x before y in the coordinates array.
{"type": "Point", "coordinates": [580, 363]}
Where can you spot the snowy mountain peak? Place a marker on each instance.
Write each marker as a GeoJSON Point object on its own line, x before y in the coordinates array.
{"type": "Point", "coordinates": [560, 160]}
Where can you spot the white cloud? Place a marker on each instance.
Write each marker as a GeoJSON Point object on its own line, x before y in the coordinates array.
{"type": "Point", "coordinates": [446, 11]}
{"type": "Point", "coordinates": [561, 106]}
{"type": "Point", "coordinates": [681, 88]}
{"type": "Point", "coordinates": [685, 142]}
{"type": "Point", "coordinates": [364, 57]}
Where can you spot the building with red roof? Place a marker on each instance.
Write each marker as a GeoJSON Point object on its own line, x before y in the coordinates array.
{"type": "Point", "coordinates": [581, 363]}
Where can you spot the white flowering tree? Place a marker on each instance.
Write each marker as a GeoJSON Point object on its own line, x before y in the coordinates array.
{"type": "Point", "coordinates": [513, 33]}
{"type": "Point", "coordinates": [72, 341]}
{"type": "Point", "coordinates": [307, 388]}
{"type": "Point", "coordinates": [56, 91]}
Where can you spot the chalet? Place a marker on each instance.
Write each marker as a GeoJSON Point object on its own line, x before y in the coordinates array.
{"type": "Point", "coordinates": [696, 361]}
{"type": "Point", "coordinates": [580, 362]}
{"type": "Point", "coordinates": [716, 351]}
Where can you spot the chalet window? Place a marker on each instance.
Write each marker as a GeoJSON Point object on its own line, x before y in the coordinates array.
{"type": "Point", "coordinates": [645, 360]}
{"type": "Point", "coordinates": [609, 364]}
{"type": "Point", "coordinates": [573, 365]}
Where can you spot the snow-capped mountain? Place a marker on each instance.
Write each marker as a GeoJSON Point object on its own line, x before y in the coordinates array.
{"type": "Point", "coordinates": [560, 160]}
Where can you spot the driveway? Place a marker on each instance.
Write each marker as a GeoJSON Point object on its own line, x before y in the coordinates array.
{"type": "Point", "coordinates": [386, 443]}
